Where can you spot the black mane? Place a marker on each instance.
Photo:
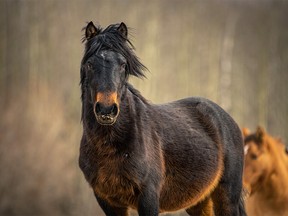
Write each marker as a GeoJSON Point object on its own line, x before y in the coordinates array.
{"type": "Point", "coordinates": [111, 39]}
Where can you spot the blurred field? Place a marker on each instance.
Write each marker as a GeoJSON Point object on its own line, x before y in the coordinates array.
{"type": "Point", "coordinates": [233, 52]}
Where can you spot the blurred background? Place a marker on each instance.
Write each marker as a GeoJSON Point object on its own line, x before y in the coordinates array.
{"type": "Point", "coordinates": [232, 52]}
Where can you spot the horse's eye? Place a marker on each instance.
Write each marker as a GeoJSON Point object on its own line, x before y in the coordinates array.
{"type": "Point", "coordinates": [253, 156]}
{"type": "Point", "coordinates": [123, 66]}
{"type": "Point", "coordinates": [89, 66]}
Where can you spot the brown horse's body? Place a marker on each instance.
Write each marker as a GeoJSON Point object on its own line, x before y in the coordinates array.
{"type": "Point", "coordinates": [266, 175]}
{"type": "Point", "coordinates": [187, 154]}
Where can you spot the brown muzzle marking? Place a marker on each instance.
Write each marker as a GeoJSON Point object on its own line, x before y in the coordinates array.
{"type": "Point", "coordinates": [107, 98]}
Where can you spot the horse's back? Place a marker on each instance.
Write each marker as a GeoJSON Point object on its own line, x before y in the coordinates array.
{"type": "Point", "coordinates": [199, 113]}
{"type": "Point", "coordinates": [217, 120]}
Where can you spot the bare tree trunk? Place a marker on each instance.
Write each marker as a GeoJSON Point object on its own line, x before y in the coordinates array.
{"type": "Point", "coordinates": [34, 53]}
{"type": "Point", "coordinates": [3, 56]}
{"type": "Point", "coordinates": [273, 67]}
{"type": "Point", "coordinates": [276, 96]}
{"type": "Point", "coordinates": [226, 58]}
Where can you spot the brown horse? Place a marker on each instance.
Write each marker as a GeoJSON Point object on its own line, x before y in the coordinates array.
{"type": "Point", "coordinates": [187, 154]}
{"type": "Point", "coordinates": [265, 174]}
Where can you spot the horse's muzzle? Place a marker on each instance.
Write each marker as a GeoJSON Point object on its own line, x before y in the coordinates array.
{"type": "Point", "coordinates": [106, 115]}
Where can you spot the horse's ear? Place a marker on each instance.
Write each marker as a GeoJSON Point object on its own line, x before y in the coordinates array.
{"type": "Point", "coordinates": [259, 134]}
{"type": "Point", "coordinates": [245, 132]}
{"type": "Point", "coordinates": [90, 31]}
{"type": "Point", "coordinates": [123, 29]}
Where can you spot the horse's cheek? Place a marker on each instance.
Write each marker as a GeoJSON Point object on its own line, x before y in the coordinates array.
{"type": "Point", "coordinates": [249, 175]}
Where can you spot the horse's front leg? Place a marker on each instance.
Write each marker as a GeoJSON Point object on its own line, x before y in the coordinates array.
{"type": "Point", "coordinates": [148, 202]}
{"type": "Point", "coordinates": [111, 210]}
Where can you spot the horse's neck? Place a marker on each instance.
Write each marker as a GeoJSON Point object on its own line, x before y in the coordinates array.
{"type": "Point", "coordinates": [134, 104]}
{"type": "Point", "coordinates": [274, 185]}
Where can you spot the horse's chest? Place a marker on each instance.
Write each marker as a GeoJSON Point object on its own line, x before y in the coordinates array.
{"type": "Point", "coordinates": [114, 182]}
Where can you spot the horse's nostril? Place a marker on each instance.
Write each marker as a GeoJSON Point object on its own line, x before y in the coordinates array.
{"type": "Point", "coordinates": [114, 109]}
{"type": "Point", "coordinates": [98, 108]}
{"type": "Point", "coordinates": [103, 110]}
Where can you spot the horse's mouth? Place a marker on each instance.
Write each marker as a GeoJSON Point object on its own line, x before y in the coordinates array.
{"type": "Point", "coordinates": [106, 119]}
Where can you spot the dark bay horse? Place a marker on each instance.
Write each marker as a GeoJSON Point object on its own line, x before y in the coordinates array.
{"type": "Point", "coordinates": [187, 154]}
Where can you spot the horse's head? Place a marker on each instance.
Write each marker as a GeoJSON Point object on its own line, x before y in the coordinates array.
{"type": "Point", "coordinates": [261, 151]}
{"type": "Point", "coordinates": [257, 159]}
{"type": "Point", "coordinates": [107, 62]}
